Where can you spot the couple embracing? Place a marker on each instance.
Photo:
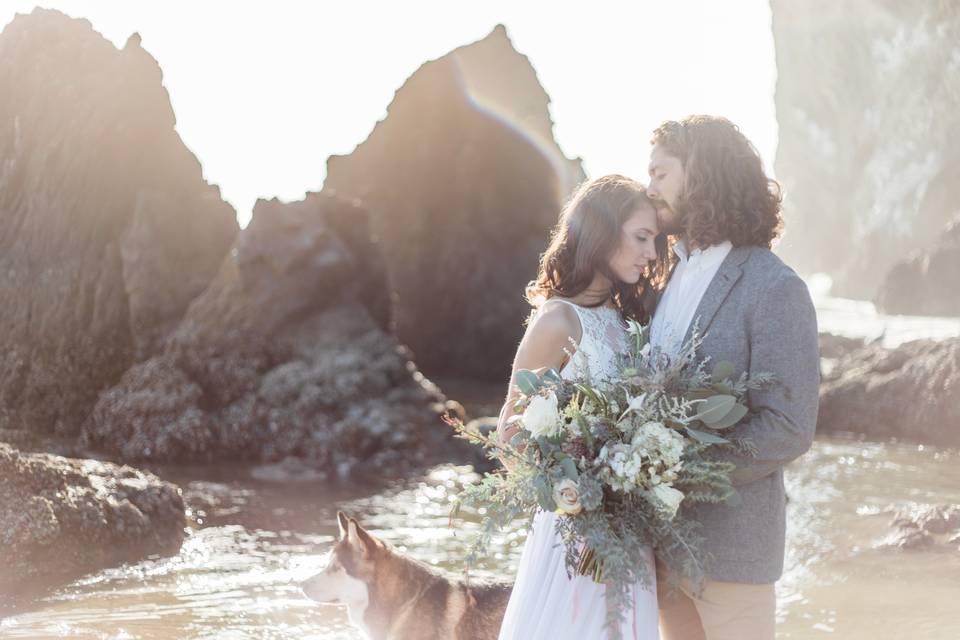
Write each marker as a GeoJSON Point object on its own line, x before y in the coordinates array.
{"type": "Point", "coordinates": [690, 250]}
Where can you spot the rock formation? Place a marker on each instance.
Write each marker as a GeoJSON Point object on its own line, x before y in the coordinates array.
{"type": "Point", "coordinates": [833, 346]}
{"type": "Point", "coordinates": [927, 283]}
{"type": "Point", "coordinates": [286, 354]}
{"type": "Point", "coordinates": [925, 527]}
{"type": "Point", "coordinates": [61, 518]}
{"type": "Point", "coordinates": [107, 227]}
{"type": "Point", "coordinates": [866, 97]}
{"type": "Point", "coordinates": [463, 190]}
{"type": "Point", "coordinates": [911, 392]}
{"type": "Point", "coordinates": [498, 78]}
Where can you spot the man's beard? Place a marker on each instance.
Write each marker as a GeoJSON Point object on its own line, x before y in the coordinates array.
{"type": "Point", "coordinates": [670, 220]}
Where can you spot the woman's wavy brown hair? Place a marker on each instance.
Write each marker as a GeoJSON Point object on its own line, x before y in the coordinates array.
{"type": "Point", "coordinates": [726, 195]}
{"type": "Point", "coordinates": [583, 241]}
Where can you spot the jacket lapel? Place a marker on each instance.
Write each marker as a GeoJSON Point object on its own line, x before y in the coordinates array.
{"type": "Point", "coordinates": [718, 290]}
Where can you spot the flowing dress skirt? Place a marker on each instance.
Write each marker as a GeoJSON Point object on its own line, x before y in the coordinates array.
{"type": "Point", "coordinates": [546, 604]}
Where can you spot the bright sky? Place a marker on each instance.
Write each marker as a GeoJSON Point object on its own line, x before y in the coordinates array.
{"type": "Point", "coordinates": [264, 92]}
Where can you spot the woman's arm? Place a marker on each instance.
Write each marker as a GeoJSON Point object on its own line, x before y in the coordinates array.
{"type": "Point", "coordinates": [542, 347]}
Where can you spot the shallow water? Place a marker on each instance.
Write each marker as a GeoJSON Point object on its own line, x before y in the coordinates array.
{"type": "Point", "coordinates": [251, 542]}
{"type": "Point", "coordinates": [236, 578]}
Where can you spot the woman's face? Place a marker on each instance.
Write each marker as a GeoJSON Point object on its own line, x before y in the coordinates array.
{"type": "Point", "coordinates": [637, 247]}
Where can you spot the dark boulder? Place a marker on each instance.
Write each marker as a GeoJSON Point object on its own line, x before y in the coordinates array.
{"type": "Point", "coordinates": [107, 227]}
{"type": "Point", "coordinates": [926, 526]}
{"type": "Point", "coordinates": [927, 283]}
{"type": "Point", "coordinates": [911, 393]}
{"type": "Point", "coordinates": [61, 518]}
{"type": "Point", "coordinates": [285, 355]}
{"type": "Point", "coordinates": [834, 346]}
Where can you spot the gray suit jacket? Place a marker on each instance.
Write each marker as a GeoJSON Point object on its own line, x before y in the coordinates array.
{"type": "Point", "coordinates": [757, 314]}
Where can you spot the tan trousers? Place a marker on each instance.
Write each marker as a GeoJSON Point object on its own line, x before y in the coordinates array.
{"type": "Point", "coordinates": [723, 611]}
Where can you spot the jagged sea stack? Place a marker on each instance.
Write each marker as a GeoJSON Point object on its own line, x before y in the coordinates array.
{"type": "Point", "coordinates": [464, 181]}
{"type": "Point", "coordinates": [107, 227]}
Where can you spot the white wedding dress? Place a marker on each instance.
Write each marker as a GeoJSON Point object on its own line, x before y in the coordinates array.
{"type": "Point", "coordinates": [546, 604]}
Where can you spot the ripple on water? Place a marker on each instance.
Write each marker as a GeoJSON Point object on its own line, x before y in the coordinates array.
{"type": "Point", "coordinates": [239, 580]}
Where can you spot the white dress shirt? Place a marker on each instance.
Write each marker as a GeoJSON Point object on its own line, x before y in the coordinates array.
{"type": "Point", "coordinates": [680, 300]}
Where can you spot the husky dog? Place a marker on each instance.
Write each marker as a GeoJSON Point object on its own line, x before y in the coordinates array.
{"type": "Point", "coordinates": [393, 597]}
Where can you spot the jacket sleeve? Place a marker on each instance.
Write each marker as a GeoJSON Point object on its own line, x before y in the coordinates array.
{"type": "Point", "coordinates": [783, 341]}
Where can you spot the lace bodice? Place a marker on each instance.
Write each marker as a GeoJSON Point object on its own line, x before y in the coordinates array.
{"type": "Point", "coordinates": [603, 339]}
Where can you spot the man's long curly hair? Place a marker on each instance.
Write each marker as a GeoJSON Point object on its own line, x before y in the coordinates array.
{"type": "Point", "coordinates": [586, 236]}
{"type": "Point", "coordinates": [726, 195]}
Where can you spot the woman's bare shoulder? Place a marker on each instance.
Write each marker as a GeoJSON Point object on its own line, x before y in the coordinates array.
{"type": "Point", "coordinates": [555, 321]}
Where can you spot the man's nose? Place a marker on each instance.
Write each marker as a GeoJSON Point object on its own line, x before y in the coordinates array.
{"type": "Point", "coordinates": [652, 191]}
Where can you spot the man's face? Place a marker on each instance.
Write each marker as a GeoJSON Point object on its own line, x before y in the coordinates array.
{"type": "Point", "coordinates": [666, 185]}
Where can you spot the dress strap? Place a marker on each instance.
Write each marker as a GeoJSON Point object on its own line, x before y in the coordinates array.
{"type": "Point", "coordinates": [582, 315]}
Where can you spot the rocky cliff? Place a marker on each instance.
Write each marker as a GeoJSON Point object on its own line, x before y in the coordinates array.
{"type": "Point", "coordinates": [286, 354]}
{"type": "Point", "coordinates": [464, 183]}
{"type": "Point", "coordinates": [926, 283]}
{"type": "Point", "coordinates": [107, 227]}
{"type": "Point", "coordinates": [867, 94]}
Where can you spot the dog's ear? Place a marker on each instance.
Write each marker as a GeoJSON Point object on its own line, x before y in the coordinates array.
{"type": "Point", "coordinates": [358, 537]}
{"type": "Point", "coordinates": [343, 521]}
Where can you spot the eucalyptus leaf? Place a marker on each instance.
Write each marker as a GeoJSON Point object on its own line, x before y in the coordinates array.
{"type": "Point", "coordinates": [723, 371]}
{"type": "Point", "coordinates": [544, 494]}
{"type": "Point", "coordinates": [701, 394]}
{"type": "Point", "coordinates": [551, 375]}
{"type": "Point", "coordinates": [527, 382]}
{"type": "Point", "coordinates": [736, 415]}
{"type": "Point", "coordinates": [715, 408]}
{"type": "Point", "coordinates": [569, 468]}
{"type": "Point", "coordinates": [706, 438]}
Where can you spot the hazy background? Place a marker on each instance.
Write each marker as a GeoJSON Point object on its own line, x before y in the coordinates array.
{"type": "Point", "coordinates": [265, 92]}
{"type": "Point", "coordinates": [274, 375]}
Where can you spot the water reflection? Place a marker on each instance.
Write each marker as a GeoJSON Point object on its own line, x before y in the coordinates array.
{"type": "Point", "coordinates": [236, 575]}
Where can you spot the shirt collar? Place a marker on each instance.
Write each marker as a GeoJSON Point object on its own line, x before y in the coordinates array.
{"type": "Point", "coordinates": [680, 248]}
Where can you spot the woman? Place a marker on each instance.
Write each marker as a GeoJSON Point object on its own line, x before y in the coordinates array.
{"type": "Point", "coordinates": [604, 260]}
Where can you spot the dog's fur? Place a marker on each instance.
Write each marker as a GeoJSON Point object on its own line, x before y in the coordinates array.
{"type": "Point", "coordinates": [393, 597]}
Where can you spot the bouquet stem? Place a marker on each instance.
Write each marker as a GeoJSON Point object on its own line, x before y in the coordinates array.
{"type": "Point", "coordinates": [590, 565]}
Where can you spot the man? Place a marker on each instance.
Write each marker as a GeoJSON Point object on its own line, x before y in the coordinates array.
{"type": "Point", "coordinates": [756, 313]}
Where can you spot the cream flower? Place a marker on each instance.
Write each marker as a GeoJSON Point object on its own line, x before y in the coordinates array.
{"type": "Point", "coordinates": [661, 442]}
{"type": "Point", "coordinates": [622, 465]}
{"type": "Point", "coordinates": [668, 498]}
{"type": "Point", "coordinates": [541, 417]}
{"type": "Point", "coordinates": [566, 494]}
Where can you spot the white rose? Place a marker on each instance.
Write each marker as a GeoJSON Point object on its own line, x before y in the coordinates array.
{"type": "Point", "coordinates": [541, 417]}
{"type": "Point", "coordinates": [566, 494]}
{"type": "Point", "coordinates": [669, 499]}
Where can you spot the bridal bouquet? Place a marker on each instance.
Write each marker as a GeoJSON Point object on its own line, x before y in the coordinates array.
{"type": "Point", "coordinates": [616, 459]}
